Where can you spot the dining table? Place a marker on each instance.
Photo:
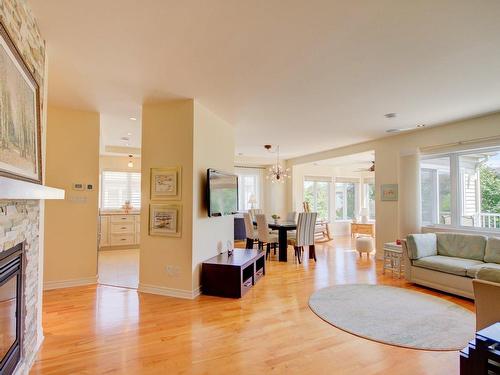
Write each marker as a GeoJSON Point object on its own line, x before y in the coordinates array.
{"type": "Point", "coordinates": [283, 227]}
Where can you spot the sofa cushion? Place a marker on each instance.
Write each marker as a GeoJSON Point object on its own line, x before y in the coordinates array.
{"type": "Point", "coordinates": [492, 253]}
{"type": "Point", "coordinates": [468, 246]}
{"type": "Point", "coordinates": [489, 274]}
{"type": "Point", "coordinates": [421, 245]}
{"type": "Point", "coordinates": [455, 266]}
{"type": "Point", "coordinates": [473, 270]}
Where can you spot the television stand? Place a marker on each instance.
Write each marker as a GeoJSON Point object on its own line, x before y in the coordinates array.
{"type": "Point", "coordinates": [232, 276]}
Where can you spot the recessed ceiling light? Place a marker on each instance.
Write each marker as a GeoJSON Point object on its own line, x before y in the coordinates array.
{"type": "Point", "coordinates": [240, 153]}
{"type": "Point", "coordinates": [129, 133]}
{"type": "Point", "coordinates": [125, 138]}
{"type": "Point", "coordinates": [390, 115]}
{"type": "Point", "coordinates": [420, 125]}
{"type": "Point", "coordinates": [133, 118]}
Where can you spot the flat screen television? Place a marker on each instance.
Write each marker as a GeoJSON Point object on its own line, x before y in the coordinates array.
{"type": "Point", "coordinates": [222, 193]}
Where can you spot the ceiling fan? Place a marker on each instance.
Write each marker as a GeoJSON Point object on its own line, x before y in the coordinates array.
{"type": "Point", "coordinates": [371, 169]}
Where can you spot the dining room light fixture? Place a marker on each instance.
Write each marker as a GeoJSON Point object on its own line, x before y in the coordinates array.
{"type": "Point", "coordinates": [276, 172]}
{"type": "Point", "coordinates": [130, 163]}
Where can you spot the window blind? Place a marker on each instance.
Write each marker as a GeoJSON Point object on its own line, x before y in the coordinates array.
{"type": "Point", "coordinates": [118, 187]}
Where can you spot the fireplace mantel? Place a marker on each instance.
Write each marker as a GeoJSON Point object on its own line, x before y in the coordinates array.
{"type": "Point", "coordinates": [16, 189]}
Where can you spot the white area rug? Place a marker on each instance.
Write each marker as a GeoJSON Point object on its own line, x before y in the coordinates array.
{"type": "Point", "coordinates": [395, 316]}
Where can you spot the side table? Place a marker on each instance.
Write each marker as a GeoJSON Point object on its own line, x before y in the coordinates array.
{"type": "Point", "coordinates": [393, 258]}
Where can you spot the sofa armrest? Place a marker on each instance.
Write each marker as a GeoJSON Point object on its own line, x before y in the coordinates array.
{"type": "Point", "coordinates": [421, 245]}
{"type": "Point", "coordinates": [406, 260]}
{"type": "Point", "coordinates": [487, 302]}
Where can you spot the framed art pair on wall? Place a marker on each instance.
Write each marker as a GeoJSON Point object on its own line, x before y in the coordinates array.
{"type": "Point", "coordinates": [165, 218]}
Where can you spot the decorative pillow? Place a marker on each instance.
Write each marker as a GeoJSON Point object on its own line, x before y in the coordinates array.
{"type": "Point", "coordinates": [421, 245]}
{"type": "Point", "coordinates": [468, 246]}
{"type": "Point", "coordinates": [489, 274]}
{"type": "Point", "coordinates": [492, 253]}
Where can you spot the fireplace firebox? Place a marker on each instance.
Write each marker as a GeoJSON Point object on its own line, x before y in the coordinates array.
{"type": "Point", "coordinates": [11, 308]}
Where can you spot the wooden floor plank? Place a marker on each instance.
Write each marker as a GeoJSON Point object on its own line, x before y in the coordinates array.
{"type": "Point", "coordinates": [108, 330]}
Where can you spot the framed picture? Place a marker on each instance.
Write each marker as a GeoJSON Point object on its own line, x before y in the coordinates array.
{"type": "Point", "coordinates": [165, 220]}
{"type": "Point", "coordinates": [166, 183]}
{"type": "Point", "coordinates": [389, 192]}
{"type": "Point", "coordinates": [20, 134]}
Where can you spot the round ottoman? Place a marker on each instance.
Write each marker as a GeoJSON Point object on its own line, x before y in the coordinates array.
{"type": "Point", "coordinates": [364, 245]}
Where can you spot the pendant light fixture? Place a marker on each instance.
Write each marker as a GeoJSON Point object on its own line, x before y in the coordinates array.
{"type": "Point", "coordinates": [277, 173]}
{"type": "Point", "coordinates": [130, 163]}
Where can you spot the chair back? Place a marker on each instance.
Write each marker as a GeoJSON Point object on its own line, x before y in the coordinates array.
{"type": "Point", "coordinates": [305, 228]}
{"type": "Point", "coordinates": [262, 228]}
{"type": "Point", "coordinates": [306, 206]}
{"type": "Point", "coordinates": [250, 233]}
{"type": "Point", "coordinates": [291, 216]}
{"type": "Point", "coordinates": [253, 212]}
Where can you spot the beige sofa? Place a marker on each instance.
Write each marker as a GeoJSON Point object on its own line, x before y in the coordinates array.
{"type": "Point", "coordinates": [449, 261]}
{"type": "Point", "coordinates": [487, 297]}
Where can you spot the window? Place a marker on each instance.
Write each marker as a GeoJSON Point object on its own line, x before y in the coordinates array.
{"type": "Point", "coordinates": [369, 190]}
{"type": "Point", "coordinates": [317, 194]}
{"type": "Point", "coordinates": [249, 188]}
{"type": "Point", "coordinates": [435, 181]}
{"type": "Point", "coordinates": [119, 187]}
{"type": "Point", "coordinates": [346, 200]}
{"type": "Point", "coordinates": [462, 189]}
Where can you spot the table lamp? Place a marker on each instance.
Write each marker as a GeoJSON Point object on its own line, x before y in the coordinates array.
{"type": "Point", "coordinates": [252, 200]}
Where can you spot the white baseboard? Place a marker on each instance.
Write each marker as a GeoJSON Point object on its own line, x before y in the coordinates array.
{"type": "Point", "coordinates": [169, 292]}
{"type": "Point", "coordinates": [49, 285]}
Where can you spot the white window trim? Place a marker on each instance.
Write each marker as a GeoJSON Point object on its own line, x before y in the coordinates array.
{"type": "Point", "coordinates": [320, 179]}
{"type": "Point", "coordinates": [456, 191]}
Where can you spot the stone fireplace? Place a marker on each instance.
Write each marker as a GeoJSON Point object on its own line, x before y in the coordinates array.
{"type": "Point", "coordinates": [11, 307]}
{"type": "Point", "coordinates": [19, 247]}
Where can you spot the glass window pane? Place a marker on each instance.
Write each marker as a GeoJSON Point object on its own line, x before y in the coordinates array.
{"type": "Point", "coordinates": [339, 201]}
{"type": "Point", "coordinates": [351, 201]}
{"type": "Point", "coordinates": [480, 189]}
{"type": "Point", "coordinates": [322, 199]}
{"type": "Point", "coordinates": [435, 191]}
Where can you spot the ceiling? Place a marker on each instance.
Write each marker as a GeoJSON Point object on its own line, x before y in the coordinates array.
{"type": "Point", "coordinates": [119, 131]}
{"type": "Point", "coordinates": [308, 75]}
{"type": "Point", "coordinates": [360, 162]}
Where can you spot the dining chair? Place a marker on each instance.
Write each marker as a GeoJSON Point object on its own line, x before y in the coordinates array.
{"type": "Point", "coordinates": [291, 216]}
{"type": "Point", "coordinates": [304, 235]}
{"type": "Point", "coordinates": [251, 234]}
{"type": "Point", "coordinates": [253, 212]}
{"type": "Point", "coordinates": [265, 238]}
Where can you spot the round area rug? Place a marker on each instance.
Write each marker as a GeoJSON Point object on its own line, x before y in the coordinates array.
{"type": "Point", "coordinates": [395, 316]}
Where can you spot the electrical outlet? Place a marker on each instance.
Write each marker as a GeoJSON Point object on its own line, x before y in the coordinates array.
{"type": "Point", "coordinates": [173, 271]}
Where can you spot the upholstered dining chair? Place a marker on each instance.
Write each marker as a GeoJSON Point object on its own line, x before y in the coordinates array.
{"type": "Point", "coordinates": [304, 235]}
{"type": "Point", "coordinates": [251, 234]}
{"type": "Point", "coordinates": [265, 238]}
{"type": "Point", "coordinates": [253, 212]}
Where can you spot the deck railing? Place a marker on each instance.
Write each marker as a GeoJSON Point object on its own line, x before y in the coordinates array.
{"type": "Point", "coordinates": [489, 220]}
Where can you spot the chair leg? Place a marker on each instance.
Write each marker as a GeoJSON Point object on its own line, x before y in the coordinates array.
{"type": "Point", "coordinates": [312, 252]}
{"type": "Point", "coordinates": [249, 244]}
{"type": "Point", "coordinates": [268, 250]}
{"type": "Point", "coordinates": [297, 253]}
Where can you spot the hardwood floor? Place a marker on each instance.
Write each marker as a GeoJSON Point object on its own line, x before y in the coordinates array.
{"type": "Point", "coordinates": [271, 330]}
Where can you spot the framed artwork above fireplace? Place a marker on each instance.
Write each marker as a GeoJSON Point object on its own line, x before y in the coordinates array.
{"type": "Point", "coordinates": [20, 128]}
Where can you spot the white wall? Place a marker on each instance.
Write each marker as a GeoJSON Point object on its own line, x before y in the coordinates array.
{"type": "Point", "coordinates": [118, 163]}
{"type": "Point", "coordinates": [213, 147]}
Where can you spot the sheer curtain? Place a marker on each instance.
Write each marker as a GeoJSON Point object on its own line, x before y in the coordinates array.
{"type": "Point", "coordinates": [409, 194]}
